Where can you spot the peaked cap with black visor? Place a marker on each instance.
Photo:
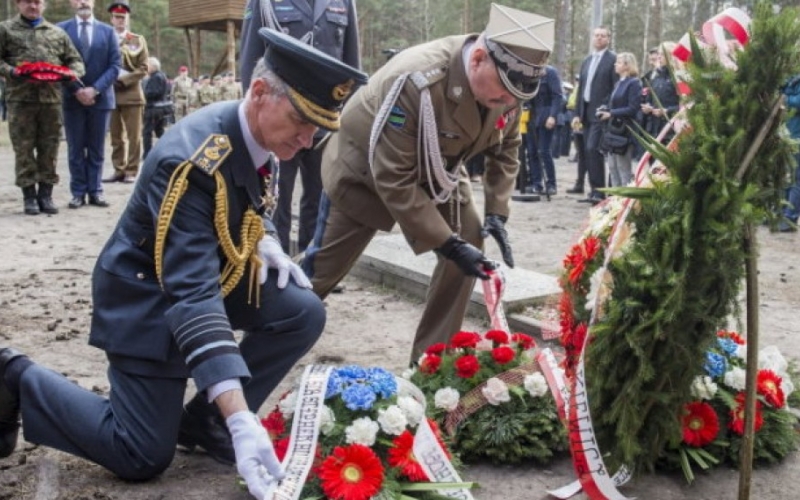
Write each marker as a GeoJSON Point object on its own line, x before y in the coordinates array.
{"type": "Point", "coordinates": [519, 43]}
{"type": "Point", "coordinates": [317, 84]}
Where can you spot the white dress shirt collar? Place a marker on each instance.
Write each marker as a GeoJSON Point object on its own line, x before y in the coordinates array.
{"type": "Point", "coordinates": [258, 154]}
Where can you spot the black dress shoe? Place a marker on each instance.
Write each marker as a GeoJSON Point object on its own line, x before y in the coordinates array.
{"type": "Point", "coordinates": [117, 177]}
{"type": "Point", "coordinates": [98, 200]}
{"type": "Point", "coordinates": [9, 407]}
{"type": "Point", "coordinates": [551, 190]}
{"type": "Point", "coordinates": [76, 202]}
{"type": "Point", "coordinates": [202, 426]}
{"type": "Point", "coordinates": [575, 190]}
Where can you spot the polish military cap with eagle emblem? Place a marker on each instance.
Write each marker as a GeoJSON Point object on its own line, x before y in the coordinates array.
{"type": "Point", "coordinates": [519, 43]}
{"type": "Point", "coordinates": [318, 85]}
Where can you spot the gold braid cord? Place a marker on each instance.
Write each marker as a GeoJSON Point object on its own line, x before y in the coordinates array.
{"type": "Point", "coordinates": [236, 258]}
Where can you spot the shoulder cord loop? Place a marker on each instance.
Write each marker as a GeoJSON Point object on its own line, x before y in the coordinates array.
{"type": "Point", "coordinates": [236, 258]}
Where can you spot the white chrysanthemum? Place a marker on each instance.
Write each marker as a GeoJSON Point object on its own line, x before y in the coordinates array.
{"type": "Point", "coordinates": [496, 391]}
{"type": "Point", "coordinates": [286, 405]}
{"type": "Point", "coordinates": [787, 386]}
{"type": "Point", "coordinates": [703, 387]}
{"type": "Point", "coordinates": [735, 378]}
{"type": "Point", "coordinates": [484, 345]}
{"type": "Point", "coordinates": [446, 398]}
{"type": "Point", "coordinates": [363, 431]}
{"type": "Point", "coordinates": [770, 358]}
{"type": "Point", "coordinates": [408, 373]}
{"type": "Point", "coordinates": [392, 420]}
{"type": "Point", "coordinates": [536, 385]}
{"type": "Point", "coordinates": [411, 409]}
{"type": "Point", "coordinates": [327, 420]}
{"type": "Point", "coordinates": [741, 352]}
{"type": "Point", "coordinates": [599, 291]}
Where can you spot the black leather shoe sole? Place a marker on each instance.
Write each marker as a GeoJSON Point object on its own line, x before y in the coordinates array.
{"type": "Point", "coordinates": [208, 433]}
{"type": "Point", "coordinates": [98, 201]}
{"type": "Point", "coordinates": [574, 191]}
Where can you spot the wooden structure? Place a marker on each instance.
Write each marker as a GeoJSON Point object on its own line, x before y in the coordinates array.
{"type": "Point", "coordinates": [195, 16]}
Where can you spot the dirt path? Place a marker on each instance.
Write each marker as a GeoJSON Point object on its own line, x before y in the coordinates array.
{"type": "Point", "coordinates": [45, 265]}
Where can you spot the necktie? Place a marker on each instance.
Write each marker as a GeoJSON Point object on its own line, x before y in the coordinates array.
{"type": "Point", "coordinates": [84, 36]}
{"type": "Point", "coordinates": [587, 88]}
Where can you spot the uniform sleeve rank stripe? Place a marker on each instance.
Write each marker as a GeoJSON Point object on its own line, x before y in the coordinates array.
{"type": "Point", "coordinates": [397, 117]}
{"type": "Point", "coordinates": [210, 155]}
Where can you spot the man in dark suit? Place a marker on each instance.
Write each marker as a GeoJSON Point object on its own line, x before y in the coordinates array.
{"type": "Point", "coordinates": [175, 279]}
{"type": "Point", "coordinates": [88, 104]}
{"type": "Point", "coordinates": [545, 108]}
{"type": "Point", "coordinates": [332, 27]}
{"type": "Point", "coordinates": [594, 89]}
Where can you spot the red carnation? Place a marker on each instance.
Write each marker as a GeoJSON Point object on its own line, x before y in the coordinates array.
{"type": "Point", "coordinates": [523, 340]}
{"type": "Point", "coordinates": [700, 424]}
{"type": "Point", "coordinates": [465, 339]}
{"type": "Point", "coordinates": [497, 336]}
{"type": "Point", "coordinates": [467, 366]}
{"type": "Point", "coordinates": [737, 416]}
{"type": "Point", "coordinates": [274, 424]}
{"type": "Point", "coordinates": [430, 363]}
{"type": "Point", "coordinates": [401, 456]}
{"type": "Point", "coordinates": [436, 348]}
{"type": "Point", "coordinates": [503, 354]}
{"type": "Point", "coordinates": [768, 384]}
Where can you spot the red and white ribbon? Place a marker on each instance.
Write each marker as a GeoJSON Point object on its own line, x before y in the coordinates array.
{"type": "Point", "coordinates": [733, 20]}
{"type": "Point", "coordinates": [493, 290]}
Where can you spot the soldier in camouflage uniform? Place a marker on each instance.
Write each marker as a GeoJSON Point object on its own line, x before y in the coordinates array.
{"type": "Point", "coordinates": [205, 93]}
{"type": "Point", "coordinates": [34, 109]}
{"type": "Point", "coordinates": [230, 90]}
{"type": "Point", "coordinates": [181, 90]}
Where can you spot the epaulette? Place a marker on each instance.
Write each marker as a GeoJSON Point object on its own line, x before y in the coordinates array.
{"type": "Point", "coordinates": [428, 77]}
{"type": "Point", "coordinates": [212, 153]}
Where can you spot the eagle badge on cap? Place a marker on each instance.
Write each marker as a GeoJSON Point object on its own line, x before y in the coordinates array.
{"type": "Point", "coordinates": [341, 91]}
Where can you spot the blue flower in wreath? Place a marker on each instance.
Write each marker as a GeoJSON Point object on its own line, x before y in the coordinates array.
{"type": "Point", "coordinates": [382, 382]}
{"type": "Point", "coordinates": [715, 364]}
{"type": "Point", "coordinates": [358, 397]}
{"type": "Point", "coordinates": [352, 373]}
{"type": "Point", "coordinates": [728, 346]}
{"type": "Point", "coordinates": [335, 385]}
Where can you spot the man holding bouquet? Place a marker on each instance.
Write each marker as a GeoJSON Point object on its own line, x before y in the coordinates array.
{"type": "Point", "coordinates": [36, 56]}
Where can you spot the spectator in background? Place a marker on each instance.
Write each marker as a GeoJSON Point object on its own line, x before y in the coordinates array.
{"type": "Point", "coordinates": [126, 118]}
{"type": "Point", "coordinates": [88, 105]}
{"type": "Point", "coordinates": [181, 91]}
{"type": "Point", "coordinates": [792, 210]}
{"type": "Point", "coordinates": [205, 92]}
{"type": "Point", "coordinates": [3, 109]}
{"type": "Point", "coordinates": [661, 100]}
{"type": "Point", "coordinates": [596, 83]}
{"type": "Point", "coordinates": [545, 107]}
{"type": "Point", "coordinates": [34, 107]}
{"type": "Point", "coordinates": [562, 138]}
{"type": "Point", "coordinates": [621, 113]}
{"type": "Point", "coordinates": [331, 27]}
{"type": "Point", "coordinates": [158, 109]}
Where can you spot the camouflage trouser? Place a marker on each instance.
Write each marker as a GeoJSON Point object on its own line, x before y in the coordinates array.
{"type": "Point", "coordinates": [35, 131]}
{"type": "Point", "coordinates": [181, 107]}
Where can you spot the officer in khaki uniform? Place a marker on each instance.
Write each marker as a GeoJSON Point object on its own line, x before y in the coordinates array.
{"type": "Point", "coordinates": [126, 118]}
{"type": "Point", "coordinates": [459, 96]}
{"type": "Point", "coordinates": [181, 90]}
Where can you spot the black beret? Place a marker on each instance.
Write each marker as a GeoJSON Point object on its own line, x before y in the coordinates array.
{"type": "Point", "coordinates": [318, 84]}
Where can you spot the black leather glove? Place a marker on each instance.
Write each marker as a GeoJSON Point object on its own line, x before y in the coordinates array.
{"type": "Point", "coordinates": [468, 258]}
{"type": "Point", "coordinates": [495, 225]}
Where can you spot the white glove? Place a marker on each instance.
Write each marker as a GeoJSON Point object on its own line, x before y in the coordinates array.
{"type": "Point", "coordinates": [273, 257]}
{"type": "Point", "coordinates": [255, 457]}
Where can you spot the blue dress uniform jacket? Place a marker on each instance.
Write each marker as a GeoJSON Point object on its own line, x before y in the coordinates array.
{"type": "Point", "coordinates": [333, 24]}
{"type": "Point", "coordinates": [146, 330]}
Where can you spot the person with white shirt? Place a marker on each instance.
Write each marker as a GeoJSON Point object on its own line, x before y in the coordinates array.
{"type": "Point", "coordinates": [193, 258]}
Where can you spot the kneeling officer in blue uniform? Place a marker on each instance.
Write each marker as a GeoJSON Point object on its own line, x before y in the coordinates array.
{"type": "Point", "coordinates": [193, 258]}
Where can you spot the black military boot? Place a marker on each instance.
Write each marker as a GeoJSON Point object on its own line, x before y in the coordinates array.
{"type": "Point", "coordinates": [202, 425]}
{"type": "Point", "coordinates": [45, 198]}
{"type": "Point", "coordinates": [29, 197]}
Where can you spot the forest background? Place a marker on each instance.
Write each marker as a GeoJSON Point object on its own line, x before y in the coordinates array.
{"type": "Point", "coordinates": [636, 25]}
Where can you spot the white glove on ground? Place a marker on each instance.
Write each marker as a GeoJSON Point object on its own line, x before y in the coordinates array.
{"type": "Point", "coordinates": [273, 257]}
{"type": "Point", "coordinates": [256, 460]}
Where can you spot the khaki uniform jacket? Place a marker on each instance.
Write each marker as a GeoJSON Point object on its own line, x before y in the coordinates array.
{"type": "Point", "coordinates": [134, 54]}
{"type": "Point", "coordinates": [20, 42]}
{"type": "Point", "coordinates": [181, 88]}
{"type": "Point", "coordinates": [395, 188]}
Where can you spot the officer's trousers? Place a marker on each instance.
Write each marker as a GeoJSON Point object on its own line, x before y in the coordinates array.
{"type": "Point", "coordinates": [340, 240]}
{"type": "Point", "coordinates": [134, 431]}
{"type": "Point", "coordinates": [126, 138]}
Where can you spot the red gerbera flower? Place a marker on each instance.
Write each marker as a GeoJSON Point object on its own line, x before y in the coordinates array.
{"type": "Point", "coordinates": [731, 335]}
{"type": "Point", "coordinates": [436, 348]}
{"type": "Point", "coordinates": [567, 319]}
{"type": "Point", "coordinates": [401, 456]}
{"type": "Point", "coordinates": [465, 339]}
{"type": "Point", "coordinates": [579, 256]}
{"type": "Point", "coordinates": [524, 341]}
{"type": "Point", "coordinates": [351, 473]}
{"type": "Point", "coordinates": [467, 366]}
{"type": "Point", "coordinates": [430, 363]}
{"type": "Point", "coordinates": [737, 416]}
{"type": "Point", "coordinates": [768, 384]}
{"type": "Point", "coordinates": [503, 354]}
{"type": "Point", "coordinates": [281, 447]}
{"type": "Point", "coordinates": [274, 424]}
{"type": "Point", "coordinates": [700, 424]}
{"type": "Point", "coordinates": [497, 336]}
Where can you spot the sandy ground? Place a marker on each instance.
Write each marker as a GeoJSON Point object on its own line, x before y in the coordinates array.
{"type": "Point", "coordinates": [45, 266]}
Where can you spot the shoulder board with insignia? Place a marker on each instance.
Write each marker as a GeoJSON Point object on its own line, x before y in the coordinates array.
{"type": "Point", "coordinates": [212, 153]}
{"type": "Point", "coordinates": [428, 77]}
